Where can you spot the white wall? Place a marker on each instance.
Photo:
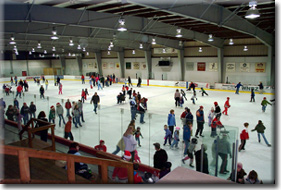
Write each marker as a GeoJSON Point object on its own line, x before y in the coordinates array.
{"type": "Point", "coordinates": [172, 74]}
{"type": "Point", "coordinates": [88, 66]}
{"type": "Point", "coordinates": [110, 71]}
{"type": "Point", "coordinates": [132, 72]}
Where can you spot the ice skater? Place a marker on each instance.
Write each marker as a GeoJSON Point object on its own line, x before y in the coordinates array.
{"type": "Point", "coordinates": [203, 92]}
{"type": "Point", "coordinates": [190, 150]}
{"type": "Point", "coordinates": [83, 96]}
{"type": "Point", "coordinates": [244, 135]}
{"type": "Point", "coordinates": [193, 97]}
{"type": "Point", "coordinates": [200, 121]}
{"type": "Point", "coordinates": [130, 81]}
{"type": "Point", "coordinates": [252, 95]}
{"type": "Point", "coordinates": [139, 82]}
{"type": "Point", "coordinates": [168, 135]}
{"type": "Point", "coordinates": [238, 87]}
{"type": "Point", "coordinates": [260, 130]}
{"type": "Point", "coordinates": [226, 106]}
{"type": "Point", "coordinates": [177, 98]}
{"type": "Point", "coordinates": [183, 94]}
{"type": "Point", "coordinates": [171, 121]}
{"type": "Point", "coordinates": [59, 112]}
{"type": "Point", "coordinates": [261, 87]}
{"type": "Point", "coordinates": [264, 104]}
{"type": "Point", "coordinates": [99, 85]}
{"type": "Point", "coordinates": [137, 134]}
{"type": "Point", "coordinates": [181, 101]}
{"type": "Point", "coordinates": [176, 138]}
{"type": "Point", "coordinates": [60, 88]}
{"type": "Point", "coordinates": [86, 93]}
{"type": "Point", "coordinates": [211, 116]}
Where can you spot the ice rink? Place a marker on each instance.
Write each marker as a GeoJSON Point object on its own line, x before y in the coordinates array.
{"type": "Point", "coordinates": [111, 121]}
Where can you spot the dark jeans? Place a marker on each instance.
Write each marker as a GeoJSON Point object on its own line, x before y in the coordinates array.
{"type": "Point", "coordinates": [242, 145]}
{"type": "Point", "coordinates": [133, 113]}
{"type": "Point", "coordinates": [66, 135]}
{"type": "Point", "coordinates": [199, 128]}
{"type": "Point", "coordinates": [133, 156]}
{"type": "Point", "coordinates": [168, 137]}
{"type": "Point", "coordinates": [252, 98]}
{"type": "Point", "coordinates": [204, 93]}
{"type": "Point", "coordinates": [223, 163]}
{"type": "Point", "coordinates": [95, 108]}
{"type": "Point", "coordinates": [116, 151]}
{"type": "Point", "coordinates": [171, 128]}
{"type": "Point", "coordinates": [44, 135]}
{"type": "Point", "coordinates": [177, 101]}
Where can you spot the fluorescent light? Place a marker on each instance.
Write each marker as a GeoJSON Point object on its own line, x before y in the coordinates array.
{"type": "Point", "coordinates": [54, 32]}
{"type": "Point", "coordinates": [39, 45]}
{"type": "Point", "coordinates": [108, 52]}
{"type": "Point", "coordinates": [245, 48]}
{"type": "Point", "coordinates": [84, 49]}
{"type": "Point", "coordinates": [54, 48]}
{"type": "Point", "coordinates": [33, 50]}
{"type": "Point", "coordinates": [12, 42]}
{"type": "Point", "coordinates": [54, 55]}
{"type": "Point", "coordinates": [178, 35]}
{"type": "Point", "coordinates": [30, 53]}
{"type": "Point", "coordinates": [252, 13]}
{"type": "Point", "coordinates": [45, 51]}
{"type": "Point", "coordinates": [164, 50]}
{"type": "Point", "coordinates": [79, 46]}
{"type": "Point", "coordinates": [111, 44]}
{"type": "Point", "coordinates": [200, 49]}
{"type": "Point", "coordinates": [69, 54]}
{"type": "Point", "coordinates": [141, 46]}
{"type": "Point", "coordinates": [109, 48]}
{"type": "Point", "coordinates": [87, 53]}
{"type": "Point", "coordinates": [133, 52]}
{"type": "Point", "coordinates": [210, 38]}
{"type": "Point", "coordinates": [15, 48]}
{"type": "Point", "coordinates": [122, 26]}
{"type": "Point", "coordinates": [153, 41]}
{"type": "Point", "coordinates": [231, 41]}
{"type": "Point", "coordinates": [71, 42]}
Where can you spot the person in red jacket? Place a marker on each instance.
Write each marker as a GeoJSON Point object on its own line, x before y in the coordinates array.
{"type": "Point", "coordinates": [101, 146]}
{"type": "Point", "coordinates": [83, 96]}
{"type": "Point", "coordinates": [137, 178]}
{"type": "Point", "coordinates": [19, 90]}
{"type": "Point", "coordinates": [67, 107]}
{"type": "Point", "coordinates": [244, 136]}
{"type": "Point", "coordinates": [122, 173]}
{"type": "Point", "coordinates": [215, 123]}
{"type": "Point", "coordinates": [226, 106]}
{"type": "Point", "coordinates": [83, 79]}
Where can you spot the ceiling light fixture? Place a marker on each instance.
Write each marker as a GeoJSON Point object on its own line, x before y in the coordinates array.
{"type": "Point", "coordinates": [39, 45]}
{"type": "Point", "coordinates": [54, 55]}
{"type": "Point", "coordinates": [108, 52]}
{"type": "Point", "coordinates": [210, 38]}
{"type": "Point", "coordinates": [12, 42]}
{"type": "Point", "coordinates": [133, 52]}
{"type": "Point", "coordinates": [231, 41]}
{"type": "Point", "coordinates": [111, 44]}
{"type": "Point", "coordinates": [69, 54]}
{"type": "Point", "coordinates": [84, 49]}
{"type": "Point", "coordinates": [15, 48]}
{"type": "Point", "coordinates": [245, 48]}
{"type": "Point", "coordinates": [16, 52]}
{"type": "Point", "coordinates": [79, 46]}
{"type": "Point", "coordinates": [141, 46]}
{"type": "Point", "coordinates": [252, 13]}
{"type": "Point", "coordinates": [178, 35]}
{"type": "Point", "coordinates": [30, 53]}
{"type": "Point", "coordinates": [87, 53]}
{"type": "Point", "coordinates": [164, 50]}
{"type": "Point", "coordinates": [54, 48]}
{"type": "Point", "coordinates": [45, 51]}
{"type": "Point", "coordinates": [153, 41]}
{"type": "Point", "coordinates": [122, 26]}
{"type": "Point", "coordinates": [54, 36]}
{"type": "Point", "coordinates": [109, 48]}
{"type": "Point", "coordinates": [200, 49]}
{"type": "Point", "coordinates": [33, 50]}
{"type": "Point", "coordinates": [73, 55]}
{"type": "Point", "coordinates": [71, 42]}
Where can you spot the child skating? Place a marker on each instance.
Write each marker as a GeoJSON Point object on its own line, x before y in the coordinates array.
{"type": "Point", "coordinates": [183, 94]}
{"type": "Point", "coordinates": [181, 101]}
{"type": "Point", "coordinates": [190, 150]}
{"type": "Point", "coordinates": [60, 88]}
{"type": "Point", "coordinates": [203, 92]}
{"type": "Point", "coordinates": [264, 104]}
{"type": "Point", "coordinates": [260, 130]}
{"type": "Point", "coordinates": [167, 135]}
{"type": "Point", "coordinates": [244, 135]}
{"type": "Point", "coordinates": [193, 97]}
{"type": "Point", "coordinates": [226, 106]}
{"type": "Point", "coordinates": [176, 138]}
{"type": "Point", "coordinates": [137, 134]}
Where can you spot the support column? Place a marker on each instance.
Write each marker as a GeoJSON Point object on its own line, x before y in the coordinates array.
{"type": "Point", "coordinates": [62, 64]}
{"type": "Point", "coordinates": [148, 61]}
{"type": "Point", "coordinates": [121, 60]}
{"type": "Point", "coordinates": [221, 67]}
{"type": "Point", "coordinates": [11, 64]}
{"type": "Point", "coordinates": [27, 66]}
{"type": "Point", "coordinates": [181, 63]}
{"type": "Point", "coordinates": [270, 66]}
{"type": "Point", "coordinates": [98, 59]}
{"type": "Point", "coordinates": [79, 61]}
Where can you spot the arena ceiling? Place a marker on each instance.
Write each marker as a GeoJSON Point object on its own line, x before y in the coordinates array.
{"type": "Point", "coordinates": [94, 23]}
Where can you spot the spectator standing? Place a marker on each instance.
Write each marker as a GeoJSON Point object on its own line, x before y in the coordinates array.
{"type": "Point", "coordinates": [177, 97]}
{"type": "Point", "coordinates": [95, 100]}
{"type": "Point", "coordinates": [43, 133]}
{"type": "Point", "coordinates": [200, 121]}
{"type": "Point", "coordinates": [261, 87]}
{"type": "Point", "coordinates": [160, 157]}
{"type": "Point", "coordinates": [25, 112]}
{"type": "Point", "coordinates": [32, 109]}
{"type": "Point", "coordinates": [67, 107]}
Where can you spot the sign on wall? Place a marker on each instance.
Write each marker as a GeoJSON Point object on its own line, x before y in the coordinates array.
{"type": "Point", "coordinates": [136, 65]}
{"type": "Point", "coordinates": [111, 65]}
{"type": "Point", "coordinates": [245, 67]}
{"type": "Point", "coordinates": [95, 65]}
{"type": "Point", "coordinates": [201, 66]}
{"type": "Point", "coordinates": [230, 67]}
{"type": "Point", "coordinates": [260, 67]}
{"type": "Point", "coordinates": [143, 66]}
{"type": "Point", "coordinates": [117, 65]}
{"type": "Point", "coordinates": [213, 66]}
{"type": "Point", "coordinates": [128, 65]}
{"type": "Point", "coordinates": [189, 66]}
{"type": "Point", "coordinates": [104, 65]}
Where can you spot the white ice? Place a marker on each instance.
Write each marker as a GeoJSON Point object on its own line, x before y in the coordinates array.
{"type": "Point", "coordinates": [109, 124]}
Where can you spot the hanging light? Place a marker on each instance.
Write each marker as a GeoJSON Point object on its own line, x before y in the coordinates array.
{"type": "Point", "coordinates": [73, 55]}
{"type": "Point", "coordinates": [69, 54]}
{"type": "Point", "coordinates": [71, 42]}
{"type": "Point", "coordinates": [79, 46]}
{"type": "Point", "coordinates": [109, 48]}
{"type": "Point", "coordinates": [133, 52]}
{"type": "Point", "coordinates": [111, 44]}
{"type": "Point", "coordinates": [33, 50]}
{"type": "Point", "coordinates": [141, 46]}
{"type": "Point", "coordinates": [252, 13]}
{"type": "Point", "coordinates": [245, 48]}
{"type": "Point", "coordinates": [30, 53]}
{"type": "Point", "coordinates": [12, 42]}
{"type": "Point", "coordinates": [210, 38]}
{"type": "Point", "coordinates": [54, 48]}
{"type": "Point", "coordinates": [164, 50]}
{"type": "Point", "coordinates": [39, 45]}
{"type": "Point", "coordinates": [178, 35]}
{"type": "Point", "coordinates": [153, 41]}
{"type": "Point", "coordinates": [122, 26]}
{"type": "Point", "coordinates": [231, 41]}
{"type": "Point", "coordinates": [200, 49]}
{"type": "Point", "coordinates": [15, 48]}
{"type": "Point", "coordinates": [84, 49]}
{"type": "Point", "coordinates": [43, 56]}
{"type": "Point", "coordinates": [54, 36]}
{"type": "Point", "coordinates": [54, 55]}
{"type": "Point", "coordinates": [45, 51]}
{"type": "Point", "coordinates": [108, 52]}
{"type": "Point", "coordinates": [16, 52]}
{"type": "Point", "coordinates": [87, 53]}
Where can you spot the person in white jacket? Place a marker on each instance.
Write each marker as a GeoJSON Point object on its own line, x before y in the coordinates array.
{"type": "Point", "coordinates": [211, 116]}
{"type": "Point", "coordinates": [130, 142]}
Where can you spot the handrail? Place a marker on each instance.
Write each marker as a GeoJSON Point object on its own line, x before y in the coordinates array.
{"type": "Point", "coordinates": [25, 153]}
{"type": "Point", "coordinates": [94, 152]}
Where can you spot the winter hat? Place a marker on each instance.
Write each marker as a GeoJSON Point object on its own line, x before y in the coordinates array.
{"type": "Point", "coordinates": [186, 108]}
{"type": "Point", "coordinates": [227, 97]}
{"type": "Point", "coordinates": [101, 141]}
{"type": "Point", "coordinates": [127, 154]}
{"type": "Point", "coordinates": [178, 128]}
{"type": "Point", "coordinates": [264, 98]}
{"type": "Point", "coordinates": [58, 103]}
{"type": "Point", "coordinates": [201, 107]}
{"type": "Point", "coordinates": [24, 104]}
{"type": "Point", "coordinates": [216, 103]}
{"type": "Point", "coordinates": [239, 165]}
{"type": "Point", "coordinates": [52, 107]}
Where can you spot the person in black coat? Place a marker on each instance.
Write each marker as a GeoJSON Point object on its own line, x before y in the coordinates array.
{"type": "Point", "coordinates": [44, 133]}
{"type": "Point", "coordinates": [129, 81]}
{"type": "Point", "coordinates": [160, 157]}
{"type": "Point", "coordinates": [139, 82]}
{"type": "Point", "coordinates": [217, 109]}
{"type": "Point", "coordinates": [205, 160]}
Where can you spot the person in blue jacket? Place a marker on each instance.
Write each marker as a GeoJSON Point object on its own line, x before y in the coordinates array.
{"type": "Point", "coordinates": [167, 135]}
{"type": "Point", "coordinates": [186, 136]}
{"type": "Point", "coordinates": [189, 116]}
{"type": "Point", "coordinates": [252, 95]}
{"type": "Point", "coordinates": [171, 121]}
{"type": "Point", "coordinates": [238, 87]}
